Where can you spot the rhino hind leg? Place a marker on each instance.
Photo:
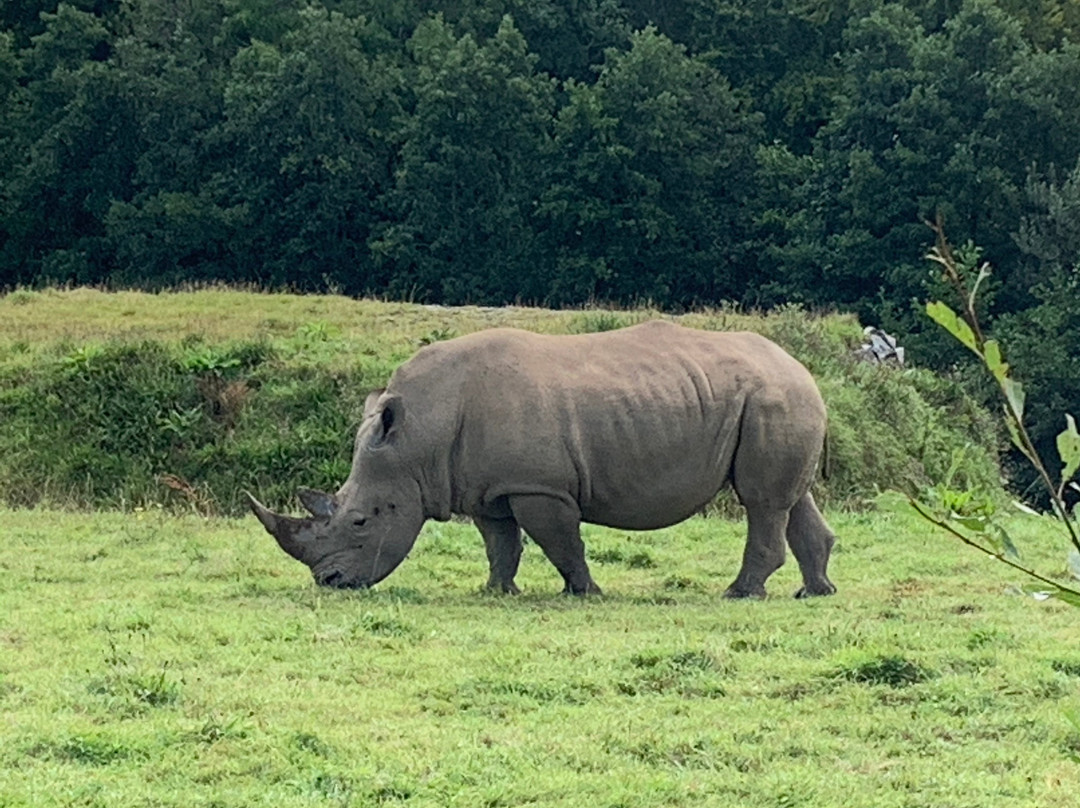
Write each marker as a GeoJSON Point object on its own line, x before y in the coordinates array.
{"type": "Point", "coordinates": [764, 551]}
{"type": "Point", "coordinates": [555, 525]}
{"type": "Point", "coordinates": [502, 538]}
{"type": "Point", "coordinates": [811, 541]}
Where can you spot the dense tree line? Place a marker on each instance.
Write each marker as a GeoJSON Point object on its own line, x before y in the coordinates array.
{"type": "Point", "coordinates": [490, 151]}
{"type": "Point", "coordinates": [494, 151]}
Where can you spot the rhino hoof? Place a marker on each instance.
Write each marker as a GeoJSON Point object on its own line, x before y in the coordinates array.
{"type": "Point", "coordinates": [589, 589]}
{"type": "Point", "coordinates": [741, 594]}
{"type": "Point", "coordinates": [818, 591]}
{"type": "Point", "coordinates": [503, 589]}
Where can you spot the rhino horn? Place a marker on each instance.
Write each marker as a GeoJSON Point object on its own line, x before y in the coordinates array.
{"type": "Point", "coordinates": [318, 503]}
{"type": "Point", "coordinates": [294, 535]}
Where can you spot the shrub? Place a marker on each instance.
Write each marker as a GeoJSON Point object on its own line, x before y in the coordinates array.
{"type": "Point", "coordinates": [123, 425]}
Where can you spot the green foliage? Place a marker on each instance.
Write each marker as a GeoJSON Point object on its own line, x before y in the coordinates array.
{"type": "Point", "coordinates": [263, 392]}
{"type": "Point", "coordinates": [315, 122]}
{"type": "Point", "coordinates": [964, 512]}
{"type": "Point", "coordinates": [645, 196]}
{"type": "Point", "coordinates": [501, 151]}
{"type": "Point", "coordinates": [1044, 340]}
{"type": "Point", "coordinates": [902, 428]}
{"type": "Point", "coordinates": [466, 188]}
{"type": "Point", "coordinates": [126, 424]}
{"type": "Point", "coordinates": [569, 40]}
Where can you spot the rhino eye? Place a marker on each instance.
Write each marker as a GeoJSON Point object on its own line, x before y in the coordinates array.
{"type": "Point", "coordinates": [359, 522]}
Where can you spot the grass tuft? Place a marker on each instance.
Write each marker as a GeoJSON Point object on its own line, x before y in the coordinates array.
{"type": "Point", "coordinates": [384, 626]}
{"type": "Point", "coordinates": [686, 673]}
{"type": "Point", "coordinates": [216, 729]}
{"type": "Point", "coordinates": [309, 742]}
{"type": "Point", "coordinates": [90, 750]}
{"type": "Point", "coordinates": [1069, 667]}
{"type": "Point", "coordinates": [600, 320]}
{"type": "Point", "coordinates": [891, 670]}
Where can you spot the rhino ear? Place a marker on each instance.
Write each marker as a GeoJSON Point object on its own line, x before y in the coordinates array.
{"type": "Point", "coordinates": [318, 503]}
{"type": "Point", "coordinates": [295, 536]}
{"type": "Point", "coordinates": [391, 417]}
{"type": "Point", "coordinates": [371, 400]}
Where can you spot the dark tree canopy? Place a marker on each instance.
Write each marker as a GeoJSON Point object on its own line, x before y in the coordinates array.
{"type": "Point", "coordinates": [494, 151]}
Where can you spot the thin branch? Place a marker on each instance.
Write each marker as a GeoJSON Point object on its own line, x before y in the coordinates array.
{"type": "Point", "coordinates": [942, 254]}
{"type": "Point", "coordinates": [1004, 559]}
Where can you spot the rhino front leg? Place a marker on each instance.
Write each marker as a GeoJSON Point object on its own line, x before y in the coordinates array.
{"type": "Point", "coordinates": [556, 526]}
{"type": "Point", "coordinates": [502, 538]}
{"type": "Point", "coordinates": [764, 553]}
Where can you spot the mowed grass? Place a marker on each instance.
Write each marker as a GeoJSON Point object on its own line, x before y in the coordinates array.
{"type": "Point", "coordinates": [217, 314]}
{"type": "Point", "coordinates": [337, 332]}
{"type": "Point", "coordinates": [157, 660]}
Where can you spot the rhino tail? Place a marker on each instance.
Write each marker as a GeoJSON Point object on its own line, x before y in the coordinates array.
{"type": "Point", "coordinates": [826, 469]}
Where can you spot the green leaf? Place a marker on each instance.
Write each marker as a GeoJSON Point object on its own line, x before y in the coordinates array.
{"type": "Point", "coordinates": [1067, 595]}
{"type": "Point", "coordinates": [954, 501]}
{"type": "Point", "coordinates": [1014, 433]}
{"type": "Point", "coordinates": [976, 524]}
{"type": "Point", "coordinates": [1068, 446]}
{"type": "Point", "coordinates": [1003, 542]}
{"type": "Point", "coordinates": [953, 323]}
{"type": "Point", "coordinates": [1014, 392]}
{"type": "Point", "coordinates": [1061, 593]}
{"type": "Point", "coordinates": [992, 356]}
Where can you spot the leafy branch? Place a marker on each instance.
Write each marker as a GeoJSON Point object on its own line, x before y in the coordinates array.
{"type": "Point", "coordinates": [1005, 551]}
{"type": "Point", "coordinates": [960, 514]}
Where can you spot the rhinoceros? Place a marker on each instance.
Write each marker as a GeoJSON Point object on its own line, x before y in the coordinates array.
{"type": "Point", "coordinates": [635, 429]}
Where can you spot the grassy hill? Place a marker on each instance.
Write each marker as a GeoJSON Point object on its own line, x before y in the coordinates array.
{"type": "Point", "coordinates": [130, 399]}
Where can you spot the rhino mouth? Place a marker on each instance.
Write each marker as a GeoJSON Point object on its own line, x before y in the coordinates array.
{"type": "Point", "coordinates": [337, 580]}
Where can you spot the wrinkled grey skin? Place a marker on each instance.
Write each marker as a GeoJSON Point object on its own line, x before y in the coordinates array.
{"type": "Point", "coordinates": [635, 429]}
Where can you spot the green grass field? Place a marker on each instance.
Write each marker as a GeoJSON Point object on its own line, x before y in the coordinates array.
{"type": "Point", "coordinates": [149, 659]}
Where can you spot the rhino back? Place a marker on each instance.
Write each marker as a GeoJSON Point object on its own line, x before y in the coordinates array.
{"type": "Point", "coordinates": [637, 426]}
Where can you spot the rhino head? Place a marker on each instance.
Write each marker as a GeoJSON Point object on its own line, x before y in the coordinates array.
{"type": "Point", "coordinates": [357, 536]}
